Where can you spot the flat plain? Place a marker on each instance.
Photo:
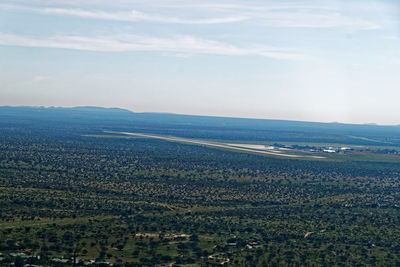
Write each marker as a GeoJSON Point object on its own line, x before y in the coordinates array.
{"type": "Point", "coordinates": [72, 193]}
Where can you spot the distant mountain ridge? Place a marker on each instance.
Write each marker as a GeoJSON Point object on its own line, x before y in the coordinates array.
{"type": "Point", "coordinates": [77, 108]}
{"type": "Point", "coordinates": [195, 126]}
{"type": "Point", "coordinates": [116, 110]}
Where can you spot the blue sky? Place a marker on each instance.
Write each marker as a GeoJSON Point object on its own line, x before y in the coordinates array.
{"type": "Point", "coordinates": [298, 60]}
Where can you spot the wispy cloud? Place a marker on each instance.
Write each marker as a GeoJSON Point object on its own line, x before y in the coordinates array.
{"type": "Point", "coordinates": [288, 15]}
{"type": "Point", "coordinates": [308, 19]}
{"type": "Point", "coordinates": [132, 15]}
{"type": "Point", "coordinates": [135, 15]}
{"type": "Point", "coordinates": [121, 43]}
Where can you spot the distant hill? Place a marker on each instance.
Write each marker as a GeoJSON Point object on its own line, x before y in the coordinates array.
{"type": "Point", "coordinates": [99, 118]}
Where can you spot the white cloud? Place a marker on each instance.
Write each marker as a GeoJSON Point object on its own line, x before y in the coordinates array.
{"type": "Point", "coordinates": [286, 15]}
{"type": "Point", "coordinates": [316, 20]}
{"type": "Point", "coordinates": [132, 15]}
{"type": "Point", "coordinates": [291, 19]}
{"type": "Point", "coordinates": [135, 15]}
{"type": "Point", "coordinates": [177, 44]}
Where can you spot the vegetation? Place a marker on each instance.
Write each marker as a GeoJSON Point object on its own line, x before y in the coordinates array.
{"type": "Point", "coordinates": [67, 198]}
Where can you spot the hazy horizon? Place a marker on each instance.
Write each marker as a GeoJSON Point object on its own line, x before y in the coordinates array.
{"type": "Point", "coordinates": [188, 114]}
{"type": "Point", "coordinates": [292, 60]}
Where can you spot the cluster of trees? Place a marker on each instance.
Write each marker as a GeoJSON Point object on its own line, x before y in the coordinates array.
{"type": "Point", "coordinates": [135, 201]}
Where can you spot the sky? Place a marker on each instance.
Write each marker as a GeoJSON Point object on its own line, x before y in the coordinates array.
{"type": "Point", "coordinates": [327, 61]}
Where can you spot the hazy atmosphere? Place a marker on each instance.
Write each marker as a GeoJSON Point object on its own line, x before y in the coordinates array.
{"type": "Point", "coordinates": [298, 60]}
